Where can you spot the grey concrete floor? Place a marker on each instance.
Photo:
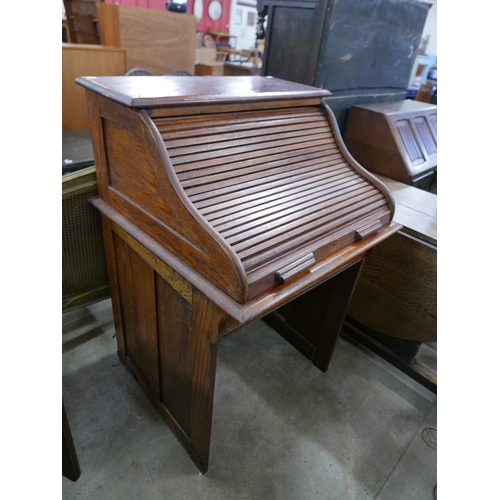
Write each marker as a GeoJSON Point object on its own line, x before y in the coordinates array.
{"type": "Point", "coordinates": [282, 429]}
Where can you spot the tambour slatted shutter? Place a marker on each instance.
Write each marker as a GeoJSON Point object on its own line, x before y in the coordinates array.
{"type": "Point", "coordinates": [273, 184]}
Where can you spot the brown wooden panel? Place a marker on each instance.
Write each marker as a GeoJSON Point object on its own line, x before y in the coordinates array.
{"type": "Point", "coordinates": [407, 269]}
{"type": "Point", "coordinates": [397, 293]}
{"type": "Point", "coordinates": [197, 181]}
{"type": "Point", "coordinates": [176, 360]}
{"type": "Point", "coordinates": [394, 139]}
{"type": "Point", "coordinates": [136, 283]}
{"type": "Point", "coordinates": [217, 185]}
{"type": "Point", "coordinates": [158, 41]}
{"type": "Point", "coordinates": [266, 195]}
{"type": "Point", "coordinates": [82, 60]}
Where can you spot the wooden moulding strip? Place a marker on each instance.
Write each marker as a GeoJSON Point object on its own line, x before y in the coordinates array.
{"type": "Point", "coordinates": [201, 108]}
{"type": "Point", "coordinates": [262, 305]}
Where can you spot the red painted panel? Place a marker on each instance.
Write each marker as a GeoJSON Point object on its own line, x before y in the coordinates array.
{"type": "Point", "coordinates": [205, 22]}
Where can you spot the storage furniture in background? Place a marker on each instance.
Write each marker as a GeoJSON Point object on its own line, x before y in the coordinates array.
{"type": "Point", "coordinates": [85, 60]}
{"type": "Point", "coordinates": [84, 274]}
{"type": "Point", "coordinates": [361, 51]}
{"type": "Point", "coordinates": [159, 41]}
{"type": "Point", "coordinates": [395, 139]}
{"type": "Point", "coordinates": [394, 307]}
{"type": "Point", "coordinates": [82, 25]}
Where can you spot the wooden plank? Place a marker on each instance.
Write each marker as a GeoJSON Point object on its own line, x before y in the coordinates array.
{"type": "Point", "coordinates": [411, 197]}
{"type": "Point", "coordinates": [209, 131]}
{"type": "Point", "coordinates": [228, 185]}
{"type": "Point", "coordinates": [241, 166]}
{"type": "Point", "coordinates": [176, 360]}
{"type": "Point", "coordinates": [284, 192]}
{"type": "Point", "coordinates": [109, 24]}
{"type": "Point", "coordinates": [242, 152]}
{"type": "Point", "coordinates": [82, 60]}
{"type": "Point", "coordinates": [221, 141]}
{"type": "Point", "coordinates": [416, 223]}
{"type": "Point", "coordinates": [185, 95]}
{"type": "Point", "coordinates": [254, 255]}
{"type": "Point", "coordinates": [281, 204]}
{"type": "Point", "coordinates": [298, 212]}
{"type": "Point", "coordinates": [155, 40]}
{"type": "Point", "coordinates": [236, 120]}
{"type": "Point", "coordinates": [322, 219]}
{"type": "Point", "coordinates": [136, 285]}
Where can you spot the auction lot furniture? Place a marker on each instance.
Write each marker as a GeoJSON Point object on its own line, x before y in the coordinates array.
{"type": "Point", "coordinates": [395, 139]}
{"type": "Point", "coordinates": [394, 307]}
{"type": "Point", "coordinates": [222, 199]}
{"type": "Point", "coordinates": [84, 276]}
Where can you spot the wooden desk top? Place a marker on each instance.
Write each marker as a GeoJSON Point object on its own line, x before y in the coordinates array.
{"type": "Point", "coordinates": [397, 107]}
{"type": "Point", "coordinates": [416, 210]}
{"type": "Point", "coordinates": [159, 91]}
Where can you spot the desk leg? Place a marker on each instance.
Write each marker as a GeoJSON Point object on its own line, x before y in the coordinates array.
{"type": "Point", "coordinates": [312, 323]}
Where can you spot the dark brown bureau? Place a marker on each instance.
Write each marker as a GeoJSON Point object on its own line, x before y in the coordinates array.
{"type": "Point", "coordinates": [395, 139]}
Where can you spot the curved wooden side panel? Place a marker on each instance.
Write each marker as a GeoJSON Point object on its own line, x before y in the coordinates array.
{"type": "Point", "coordinates": [141, 184]}
{"type": "Point", "coordinates": [359, 168]}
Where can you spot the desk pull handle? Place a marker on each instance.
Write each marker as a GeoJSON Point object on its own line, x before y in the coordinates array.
{"type": "Point", "coordinates": [295, 268]}
{"type": "Point", "coordinates": [367, 229]}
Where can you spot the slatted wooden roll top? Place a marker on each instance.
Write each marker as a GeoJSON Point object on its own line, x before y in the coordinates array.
{"type": "Point", "coordinates": [244, 179]}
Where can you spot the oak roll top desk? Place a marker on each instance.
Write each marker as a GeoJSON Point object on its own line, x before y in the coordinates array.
{"type": "Point", "coordinates": [223, 199]}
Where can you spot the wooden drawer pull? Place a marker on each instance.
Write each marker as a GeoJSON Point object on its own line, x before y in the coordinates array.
{"type": "Point", "coordinates": [367, 229]}
{"type": "Point", "coordinates": [295, 268]}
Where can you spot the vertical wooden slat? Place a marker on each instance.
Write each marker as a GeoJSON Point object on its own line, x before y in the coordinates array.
{"type": "Point", "coordinates": [176, 361]}
{"type": "Point", "coordinates": [136, 284]}
{"type": "Point", "coordinates": [204, 332]}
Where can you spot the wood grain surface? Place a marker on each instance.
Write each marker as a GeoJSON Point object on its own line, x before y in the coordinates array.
{"type": "Point", "coordinates": [85, 60]}
{"type": "Point", "coordinates": [215, 216]}
{"type": "Point", "coordinates": [155, 40]}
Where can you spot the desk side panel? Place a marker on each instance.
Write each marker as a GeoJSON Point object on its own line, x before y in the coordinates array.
{"type": "Point", "coordinates": [136, 179]}
{"type": "Point", "coordinates": [167, 336]}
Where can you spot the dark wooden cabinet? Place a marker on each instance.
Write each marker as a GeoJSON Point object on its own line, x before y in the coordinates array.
{"type": "Point", "coordinates": [222, 200]}
{"type": "Point", "coordinates": [360, 51]}
{"type": "Point", "coordinates": [397, 140]}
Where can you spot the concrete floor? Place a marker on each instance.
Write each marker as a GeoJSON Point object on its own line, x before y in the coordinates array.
{"type": "Point", "coordinates": [281, 428]}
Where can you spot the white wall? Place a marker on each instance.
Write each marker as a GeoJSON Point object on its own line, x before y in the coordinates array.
{"type": "Point", "coordinates": [238, 23]}
{"type": "Point", "coordinates": [430, 28]}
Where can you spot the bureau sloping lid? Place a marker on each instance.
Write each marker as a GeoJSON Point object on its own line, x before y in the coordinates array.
{"type": "Point", "coordinates": [274, 184]}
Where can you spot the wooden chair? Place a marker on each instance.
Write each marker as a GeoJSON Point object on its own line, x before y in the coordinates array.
{"type": "Point", "coordinates": [220, 54]}
{"type": "Point", "coordinates": [425, 92]}
{"type": "Point", "coordinates": [180, 72]}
